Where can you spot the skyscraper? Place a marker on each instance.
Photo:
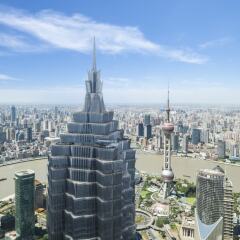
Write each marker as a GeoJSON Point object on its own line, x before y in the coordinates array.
{"type": "Point", "coordinates": [209, 208]}
{"type": "Point", "coordinates": [185, 144]}
{"type": "Point", "coordinates": [196, 133]}
{"type": "Point", "coordinates": [175, 141]}
{"type": "Point", "coordinates": [228, 210]}
{"type": "Point", "coordinates": [91, 175]}
{"type": "Point", "coordinates": [147, 119]}
{"type": "Point", "coordinates": [167, 173]}
{"type": "Point", "coordinates": [221, 149]}
{"type": "Point", "coordinates": [29, 134]}
{"type": "Point", "coordinates": [13, 114]}
{"type": "Point", "coordinates": [147, 131]}
{"type": "Point", "coordinates": [140, 130]}
{"type": "Point", "coordinates": [24, 196]}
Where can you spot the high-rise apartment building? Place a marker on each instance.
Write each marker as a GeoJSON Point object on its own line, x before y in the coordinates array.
{"type": "Point", "coordinates": [91, 175]}
{"type": "Point", "coordinates": [24, 197]}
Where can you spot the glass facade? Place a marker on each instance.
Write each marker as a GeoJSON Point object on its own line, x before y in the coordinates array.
{"type": "Point", "coordinates": [210, 199]}
{"type": "Point", "coordinates": [91, 175]}
{"type": "Point", "coordinates": [24, 197]}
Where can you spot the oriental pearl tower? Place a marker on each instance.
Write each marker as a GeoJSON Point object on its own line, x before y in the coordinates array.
{"type": "Point", "coordinates": [167, 173]}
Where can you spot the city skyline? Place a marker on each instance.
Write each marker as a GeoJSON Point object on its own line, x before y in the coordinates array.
{"type": "Point", "coordinates": [179, 43]}
{"type": "Point", "coordinates": [90, 145]}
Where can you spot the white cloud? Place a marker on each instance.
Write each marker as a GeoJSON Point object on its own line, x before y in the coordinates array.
{"type": "Point", "coordinates": [4, 77]}
{"type": "Point", "coordinates": [75, 32]}
{"type": "Point", "coordinates": [216, 43]}
{"type": "Point", "coordinates": [19, 43]}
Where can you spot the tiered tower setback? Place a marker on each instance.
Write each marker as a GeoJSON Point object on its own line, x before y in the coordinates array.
{"type": "Point", "coordinates": [91, 175]}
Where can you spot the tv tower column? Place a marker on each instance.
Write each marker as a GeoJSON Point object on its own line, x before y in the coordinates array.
{"type": "Point", "coordinates": [167, 173]}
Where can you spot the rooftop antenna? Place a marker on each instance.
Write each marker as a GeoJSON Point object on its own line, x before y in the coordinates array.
{"type": "Point", "coordinates": [94, 65]}
{"type": "Point", "coordinates": [168, 106]}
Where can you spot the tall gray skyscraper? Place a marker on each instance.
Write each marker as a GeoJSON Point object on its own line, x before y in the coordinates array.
{"type": "Point", "coordinates": [185, 144]}
{"type": "Point", "coordinates": [167, 173]}
{"type": "Point", "coordinates": [196, 133]}
{"type": "Point", "coordinates": [147, 119]}
{"type": "Point", "coordinates": [91, 175]}
{"type": "Point", "coordinates": [147, 131]}
{"type": "Point", "coordinates": [221, 149]}
{"type": "Point", "coordinates": [175, 141]}
{"type": "Point", "coordinates": [24, 195]}
{"type": "Point", "coordinates": [13, 114]}
{"type": "Point", "coordinates": [228, 210]}
{"type": "Point", "coordinates": [210, 199]}
{"type": "Point", "coordinates": [140, 130]}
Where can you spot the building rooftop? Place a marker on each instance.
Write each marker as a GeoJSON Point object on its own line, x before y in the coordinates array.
{"type": "Point", "coordinates": [24, 173]}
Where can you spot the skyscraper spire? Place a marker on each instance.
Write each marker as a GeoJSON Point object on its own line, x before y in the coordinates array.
{"type": "Point", "coordinates": [94, 64]}
{"type": "Point", "coordinates": [94, 99]}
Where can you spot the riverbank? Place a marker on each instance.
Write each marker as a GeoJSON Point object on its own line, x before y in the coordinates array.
{"type": "Point", "coordinates": [21, 161]}
{"type": "Point", "coordinates": [183, 167]}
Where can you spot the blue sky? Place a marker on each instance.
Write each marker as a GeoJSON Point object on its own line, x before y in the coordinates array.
{"type": "Point", "coordinates": [45, 50]}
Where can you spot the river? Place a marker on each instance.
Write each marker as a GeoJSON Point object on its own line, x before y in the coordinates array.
{"type": "Point", "coordinates": [183, 167]}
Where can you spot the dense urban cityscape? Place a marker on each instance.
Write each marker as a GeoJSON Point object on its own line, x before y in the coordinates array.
{"type": "Point", "coordinates": [91, 167]}
{"type": "Point", "coordinates": [149, 169]}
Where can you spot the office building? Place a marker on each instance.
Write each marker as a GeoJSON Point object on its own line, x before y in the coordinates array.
{"type": "Point", "coordinates": [185, 144]}
{"type": "Point", "coordinates": [29, 134]}
{"type": "Point", "coordinates": [13, 114]}
{"type": "Point", "coordinates": [3, 136]}
{"type": "Point", "coordinates": [55, 112]}
{"type": "Point", "coordinates": [205, 136]}
{"type": "Point", "coordinates": [24, 198]}
{"type": "Point", "coordinates": [147, 119]}
{"type": "Point", "coordinates": [196, 133]}
{"type": "Point", "coordinates": [147, 131]}
{"type": "Point", "coordinates": [175, 141]}
{"type": "Point", "coordinates": [39, 194]}
{"type": "Point", "coordinates": [91, 175]}
{"type": "Point", "coordinates": [221, 149]}
{"type": "Point", "coordinates": [209, 207]}
{"type": "Point", "coordinates": [140, 130]}
{"type": "Point", "coordinates": [228, 210]}
{"type": "Point", "coordinates": [160, 144]}
{"type": "Point", "coordinates": [234, 151]}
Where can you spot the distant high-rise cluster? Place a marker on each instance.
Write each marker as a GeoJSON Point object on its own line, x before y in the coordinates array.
{"type": "Point", "coordinates": [91, 175]}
